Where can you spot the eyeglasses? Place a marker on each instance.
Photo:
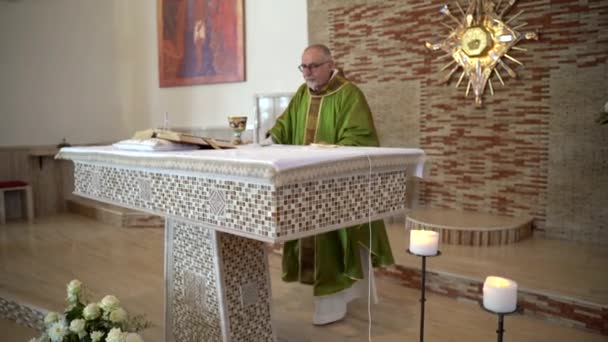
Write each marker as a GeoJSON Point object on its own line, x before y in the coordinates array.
{"type": "Point", "coordinates": [311, 66]}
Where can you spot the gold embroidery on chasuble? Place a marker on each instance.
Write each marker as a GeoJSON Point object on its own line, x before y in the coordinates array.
{"type": "Point", "coordinates": [307, 245]}
{"type": "Point", "coordinates": [312, 119]}
{"type": "Point", "coordinates": [315, 105]}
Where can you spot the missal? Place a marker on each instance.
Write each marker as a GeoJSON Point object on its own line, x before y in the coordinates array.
{"type": "Point", "coordinates": [184, 138]}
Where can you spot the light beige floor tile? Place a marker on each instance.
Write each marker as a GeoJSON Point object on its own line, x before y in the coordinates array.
{"type": "Point", "coordinates": [37, 261]}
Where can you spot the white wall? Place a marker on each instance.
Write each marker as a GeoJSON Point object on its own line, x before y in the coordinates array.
{"type": "Point", "coordinates": [88, 70]}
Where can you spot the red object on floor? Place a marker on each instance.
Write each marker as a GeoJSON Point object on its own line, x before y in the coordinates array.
{"type": "Point", "coordinates": [12, 184]}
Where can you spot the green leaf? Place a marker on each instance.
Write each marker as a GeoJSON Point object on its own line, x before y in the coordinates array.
{"type": "Point", "coordinates": [71, 337]}
{"type": "Point", "coordinates": [75, 312]}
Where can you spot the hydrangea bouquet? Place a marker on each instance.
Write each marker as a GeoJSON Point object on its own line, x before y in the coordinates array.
{"type": "Point", "coordinates": [104, 321]}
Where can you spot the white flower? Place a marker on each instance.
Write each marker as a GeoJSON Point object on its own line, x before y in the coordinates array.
{"type": "Point", "coordinates": [91, 312]}
{"type": "Point", "coordinates": [133, 337]}
{"type": "Point", "coordinates": [606, 107]}
{"type": "Point", "coordinates": [51, 318]}
{"type": "Point", "coordinates": [72, 299]}
{"type": "Point", "coordinates": [77, 326]}
{"type": "Point", "coordinates": [109, 303]}
{"type": "Point", "coordinates": [57, 330]}
{"type": "Point", "coordinates": [74, 286]}
{"type": "Point", "coordinates": [115, 335]}
{"type": "Point", "coordinates": [118, 315]}
{"type": "Point", "coordinates": [96, 336]}
{"type": "Point", "coordinates": [74, 290]}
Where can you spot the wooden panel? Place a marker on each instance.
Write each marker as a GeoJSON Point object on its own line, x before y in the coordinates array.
{"type": "Point", "coordinates": [51, 180]}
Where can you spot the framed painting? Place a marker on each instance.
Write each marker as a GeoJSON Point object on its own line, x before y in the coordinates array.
{"type": "Point", "coordinates": [200, 42]}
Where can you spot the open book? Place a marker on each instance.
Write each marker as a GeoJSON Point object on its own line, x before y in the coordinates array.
{"type": "Point", "coordinates": [179, 137]}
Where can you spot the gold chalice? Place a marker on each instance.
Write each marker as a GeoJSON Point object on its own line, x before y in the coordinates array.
{"type": "Point", "coordinates": [238, 125]}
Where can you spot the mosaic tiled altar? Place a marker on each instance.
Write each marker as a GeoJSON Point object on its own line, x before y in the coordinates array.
{"type": "Point", "coordinates": [220, 208]}
{"type": "Point", "coordinates": [261, 211]}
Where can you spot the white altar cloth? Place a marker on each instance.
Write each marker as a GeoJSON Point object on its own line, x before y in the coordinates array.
{"type": "Point", "coordinates": [260, 162]}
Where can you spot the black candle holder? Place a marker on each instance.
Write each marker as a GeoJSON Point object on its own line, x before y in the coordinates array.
{"type": "Point", "coordinates": [501, 316]}
{"type": "Point", "coordinates": [422, 289]}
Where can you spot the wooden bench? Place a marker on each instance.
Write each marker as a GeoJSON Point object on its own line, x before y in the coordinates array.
{"type": "Point", "coordinates": [17, 185]}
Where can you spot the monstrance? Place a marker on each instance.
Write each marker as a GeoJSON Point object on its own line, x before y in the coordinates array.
{"type": "Point", "coordinates": [479, 42]}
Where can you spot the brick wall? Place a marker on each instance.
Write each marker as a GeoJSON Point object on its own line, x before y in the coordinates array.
{"type": "Point", "coordinates": [532, 149]}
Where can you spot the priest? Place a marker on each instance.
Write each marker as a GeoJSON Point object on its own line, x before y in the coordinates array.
{"type": "Point", "coordinates": [329, 109]}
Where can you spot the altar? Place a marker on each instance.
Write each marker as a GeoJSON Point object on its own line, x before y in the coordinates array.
{"type": "Point", "coordinates": [222, 206]}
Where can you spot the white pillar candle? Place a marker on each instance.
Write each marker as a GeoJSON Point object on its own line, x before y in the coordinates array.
{"type": "Point", "coordinates": [424, 242]}
{"type": "Point", "coordinates": [499, 294]}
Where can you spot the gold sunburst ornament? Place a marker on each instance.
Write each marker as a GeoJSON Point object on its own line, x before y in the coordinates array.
{"type": "Point", "coordinates": [479, 42]}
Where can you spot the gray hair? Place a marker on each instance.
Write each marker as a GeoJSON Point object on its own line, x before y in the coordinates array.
{"type": "Point", "coordinates": [321, 47]}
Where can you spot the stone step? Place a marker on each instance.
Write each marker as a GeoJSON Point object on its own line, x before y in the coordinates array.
{"type": "Point", "coordinates": [471, 228]}
{"type": "Point", "coordinates": [113, 215]}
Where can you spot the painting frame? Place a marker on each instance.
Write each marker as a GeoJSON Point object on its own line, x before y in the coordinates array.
{"type": "Point", "coordinates": [200, 42]}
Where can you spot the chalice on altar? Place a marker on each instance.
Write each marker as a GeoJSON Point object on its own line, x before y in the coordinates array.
{"type": "Point", "coordinates": [238, 125]}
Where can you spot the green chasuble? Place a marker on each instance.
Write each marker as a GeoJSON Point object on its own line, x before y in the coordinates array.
{"type": "Point", "coordinates": [338, 114]}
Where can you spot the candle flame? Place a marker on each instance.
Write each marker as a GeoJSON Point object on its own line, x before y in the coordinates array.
{"type": "Point", "coordinates": [424, 233]}
{"type": "Point", "coordinates": [498, 282]}
{"type": "Point", "coordinates": [501, 283]}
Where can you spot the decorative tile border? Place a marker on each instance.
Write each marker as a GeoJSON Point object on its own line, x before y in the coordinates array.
{"type": "Point", "coordinates": [334, 202]}
{"type": "Point", "coordinates": [22, 314]}
{"type": "Point", "coordinates": [261, 211]}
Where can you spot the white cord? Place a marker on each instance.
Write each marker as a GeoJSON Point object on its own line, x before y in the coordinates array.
{"type": "Point", "coordinates": [369, 251]}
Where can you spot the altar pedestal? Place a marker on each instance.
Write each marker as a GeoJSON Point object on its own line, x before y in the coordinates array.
{"type": "Point", "coordinates": [200, 307]}
{"type": "Point", "coordinates": [222, 205]}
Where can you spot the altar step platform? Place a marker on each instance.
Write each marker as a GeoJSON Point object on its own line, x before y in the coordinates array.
{"type": "Point", "coordinates": [471, 228]}
{"type": "Point", "coordinates": [112, 214]}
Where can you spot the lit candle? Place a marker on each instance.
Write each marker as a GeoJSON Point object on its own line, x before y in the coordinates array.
{"type": "Point", "coordinates": [499, 294]}
{"type": "Point", "coordinates": [424, 242]}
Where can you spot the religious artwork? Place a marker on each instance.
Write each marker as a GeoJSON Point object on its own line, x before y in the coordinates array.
{"type": "Point", "coordinates": [200, 42]}
{"type": "Point", "coordinates": [479, 42]}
